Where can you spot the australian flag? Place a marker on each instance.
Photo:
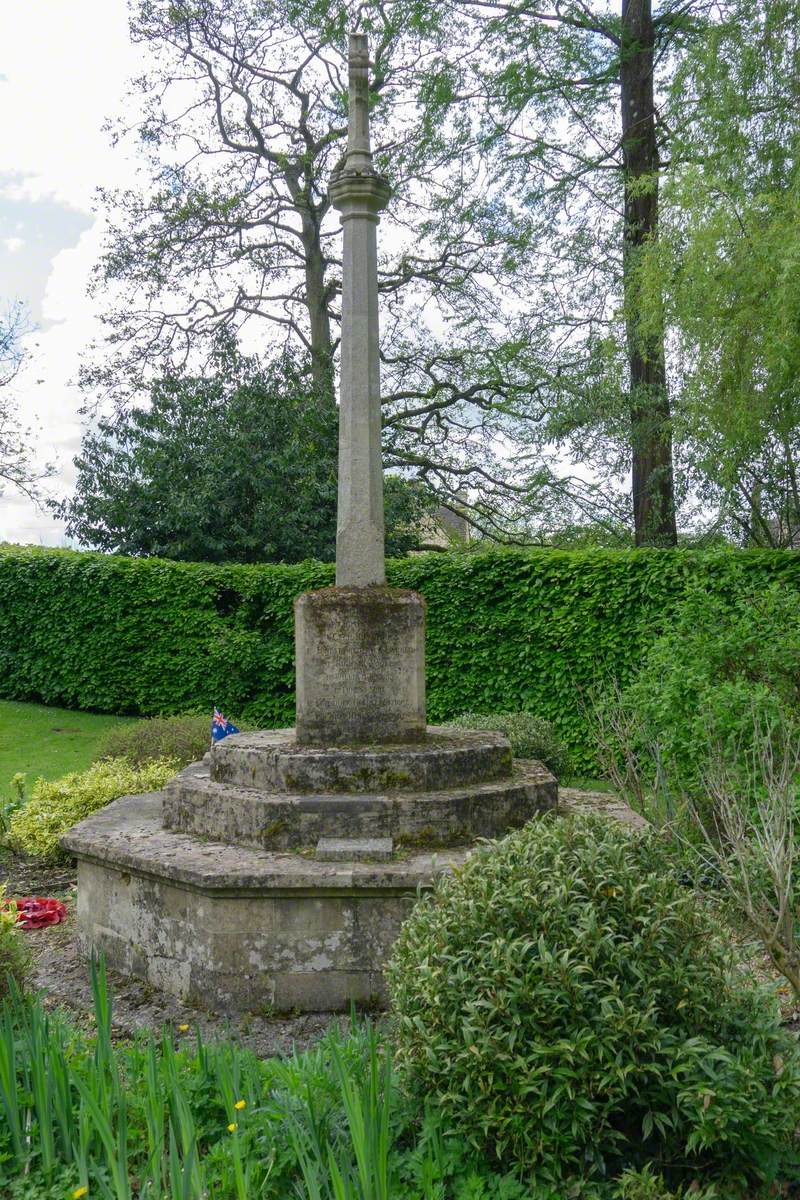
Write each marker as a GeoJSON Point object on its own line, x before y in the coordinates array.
{"type": "Point", "coordinates": [221, 727]}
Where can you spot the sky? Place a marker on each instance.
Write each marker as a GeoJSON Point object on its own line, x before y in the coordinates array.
{"type": "Point", "coordinates": [63, 73]}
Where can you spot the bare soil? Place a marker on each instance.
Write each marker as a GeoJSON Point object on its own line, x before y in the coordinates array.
{"type": "Point", "coordinates": [62, 974]}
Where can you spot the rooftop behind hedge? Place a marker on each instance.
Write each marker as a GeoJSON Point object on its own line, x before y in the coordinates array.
{"type": "Point", "coordinates": [507, 629]}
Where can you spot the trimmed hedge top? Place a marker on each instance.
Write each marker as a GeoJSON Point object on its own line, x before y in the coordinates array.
{"type": "Point", "coordinates": [507, 629]}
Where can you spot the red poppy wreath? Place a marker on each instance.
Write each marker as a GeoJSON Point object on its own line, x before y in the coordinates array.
{"type": "Point", "coordinates": [34, 912]}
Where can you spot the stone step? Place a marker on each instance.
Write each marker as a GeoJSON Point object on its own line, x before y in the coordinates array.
{"type": "Point", "coordinates": [354, 850]}
{"type": "Point", "coordinates": [196, 804]}
{"type": "Point", "coordinates": [234, 929]}
{"type": "Point", "coordinates": [272, 761]}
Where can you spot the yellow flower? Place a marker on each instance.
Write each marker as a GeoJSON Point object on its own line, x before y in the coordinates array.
{"type": "Point", "coordinates": [232, 1127]}
{"type": "Point", "coordinates": [182, 1028]}
{"type": "Point", "coordinates": [240, 1104]}
{"type": "Point", "coordinates": [81, 1191]}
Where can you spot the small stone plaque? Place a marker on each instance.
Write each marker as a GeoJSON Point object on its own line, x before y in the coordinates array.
{"type": "Point", "coordinates": [354, 849]}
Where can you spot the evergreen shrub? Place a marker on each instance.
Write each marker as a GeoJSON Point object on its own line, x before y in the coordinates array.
{"type": "Point", "coordinates": [570, 1008]}
{"type": "Point", "coordinates": [56, 805]}
{"type": "Point", "coordinates": [508, 630]}
{"type": "Point", "coordinates": [182, 740]}
{"type": "Point", "coordinates": [530, 736]}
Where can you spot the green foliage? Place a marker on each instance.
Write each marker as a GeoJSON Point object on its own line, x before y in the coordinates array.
{"type": "Point", "coordinates": [726, 267]}
{"type": "Point", "coordinates": [16, 787]}
{"type": "Point", "coordinates": [507, 630]}
{"type": "Point", "coordinates": [173, 1117]}
{"type": "Point", "coordinates": [570, 1007]}
{"type": "Point", "coordinates": [55, 806]}
{"type": "Point", "coordinates": [169, 1116]}
{"type": "Point", "coordinates": [728, 666]}
{"type": "Point", "coordinates": [643, 1185]}
{"type": "Point", "coordinates": [530, 736]}
{"type": "Point", "coordinates": [733, 277]}
{"type": "Point", "coordinates": [181, 740]}
{"type": "Point", "coordinates": [203, 473]}
{"type": "Point", "coordinates": [14, 958]}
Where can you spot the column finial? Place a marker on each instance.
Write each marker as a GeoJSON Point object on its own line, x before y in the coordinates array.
{"type": "Point", "coordinates": [359, 154]}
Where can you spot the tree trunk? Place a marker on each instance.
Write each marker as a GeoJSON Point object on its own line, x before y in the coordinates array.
{"type": "Point", "coordinates": [299, 181]}
{"type": "Point", "coordinates": [318, 313]}
{"type": "Point", "coordinates": [651, 435]}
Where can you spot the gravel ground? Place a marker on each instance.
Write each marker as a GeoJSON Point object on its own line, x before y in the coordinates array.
{"type": "Point", "coordinates": [31, 877]}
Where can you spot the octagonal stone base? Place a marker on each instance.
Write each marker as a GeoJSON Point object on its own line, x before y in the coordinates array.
{"type": "Point", "coordinates": [242, 887]}
{"type": "Point", "coordinates": [234, 929]}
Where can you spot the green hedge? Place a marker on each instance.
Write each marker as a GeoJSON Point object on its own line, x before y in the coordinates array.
{"type": "Point", "coordinates": [507, 629]}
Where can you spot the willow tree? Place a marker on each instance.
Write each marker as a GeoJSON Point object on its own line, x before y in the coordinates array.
{"type": "Point", "coordinates": [728, 269]}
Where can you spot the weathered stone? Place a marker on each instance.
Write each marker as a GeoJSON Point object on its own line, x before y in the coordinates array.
{"type": "Point", "coordinates": [196, 896]}
{"type": "Point", "coordinates": [195, 804]}
{"type": "Point", "coordinates": [354, 850]}
{"type": "Point", "coordinates": [360, 658]}
{"type": "Point", "coordinates": [359, 194]}
{"type": "Point", "coordinates": [234, 929]}
{"type": "Point", "coordinates": [272, 761]}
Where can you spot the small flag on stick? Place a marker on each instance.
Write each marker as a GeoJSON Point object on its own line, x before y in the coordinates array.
{"type": "Point", "coordinates": [221, 727]}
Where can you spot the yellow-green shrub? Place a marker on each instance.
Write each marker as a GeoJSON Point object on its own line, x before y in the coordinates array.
{"type": "Point", "coordinates": [13, 951]}
{"type": "Point", "coordinates": [56, 805]}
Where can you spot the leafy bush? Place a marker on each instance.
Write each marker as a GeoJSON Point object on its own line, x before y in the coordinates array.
{"type": "Point", "coordinates": [530, 736]}
{"type": "Point", "coordinates": [56, 805]}
{"type": "Point", "coordinates": [181, 740]}
{"type": "Point", "coordinates": [645, 1185]}
{"type": "Point", "coordinates": [569, 1007]}
{"type": "Point", "coordinates": [506, 629]}
{"type": "Point", "coordinates": [14, 957]}
{"type": "Point", "coordinates": [728, 666]}
{"type": "Point", "coordinates": [10, 804]}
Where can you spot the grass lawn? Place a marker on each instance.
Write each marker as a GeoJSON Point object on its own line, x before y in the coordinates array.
{"type": "Point", "coordinates": [47, 741]}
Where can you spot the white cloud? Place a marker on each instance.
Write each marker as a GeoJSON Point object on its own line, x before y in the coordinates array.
{"type": "Point", "coordinates": [65, 75]}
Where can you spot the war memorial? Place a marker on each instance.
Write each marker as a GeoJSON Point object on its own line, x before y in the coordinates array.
{"type": "Point", "coordinates": [276, 872]}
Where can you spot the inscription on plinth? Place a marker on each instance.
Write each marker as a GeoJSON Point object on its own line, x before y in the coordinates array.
{"type": "Point", "coordinates": [360, 655]}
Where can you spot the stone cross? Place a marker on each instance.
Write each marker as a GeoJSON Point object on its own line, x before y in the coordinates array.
{"type": "Point", "coordinates": [359, 646]}
{"type": "Point", "coordinates": [359, 194]}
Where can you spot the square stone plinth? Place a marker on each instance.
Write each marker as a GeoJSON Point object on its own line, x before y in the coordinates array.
{"type": "Point", "coordinates": [360, 660]}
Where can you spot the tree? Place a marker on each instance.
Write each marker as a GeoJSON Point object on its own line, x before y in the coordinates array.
{"type": "Point", "coordinates": [652, 486]}
{"type": "Point", "coordinates": [235, 467]}
{"type": "Point", "coordinates": [565, 107]}
{"type": "Point", "coordinates": [728, 264]}
{"type": "Point", "coordinates": [17, 466]}
{"type": "Point", "coordinates": [244, 118]}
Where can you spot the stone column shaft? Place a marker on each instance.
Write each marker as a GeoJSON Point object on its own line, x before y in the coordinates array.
{"type": "Point", "coordinates": [359, 529]}
{"type": "Point", "coordinates": [359, 194]}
